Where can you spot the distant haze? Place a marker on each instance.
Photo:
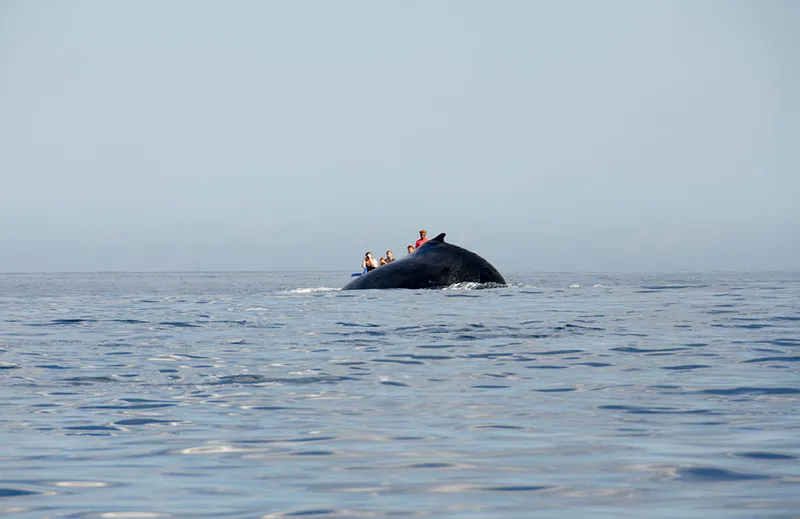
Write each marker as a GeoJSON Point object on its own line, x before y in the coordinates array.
{"type": "Point", "coordinates": [250, 135]}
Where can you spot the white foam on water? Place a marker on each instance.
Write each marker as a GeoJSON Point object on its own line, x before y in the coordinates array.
{"type": "Point", "coordinates": [466, 285]}
{"type": "Point", "coordinates": [312, 290]}
{"type": "Point", "coordinates": [473, 285]}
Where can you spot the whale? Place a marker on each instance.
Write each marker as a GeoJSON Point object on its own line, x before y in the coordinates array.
{"type": "Point", "coordinates": [435, 264]}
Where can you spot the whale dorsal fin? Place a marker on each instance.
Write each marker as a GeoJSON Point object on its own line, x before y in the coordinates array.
{"type": "Point", "coordinates": [439, 238]}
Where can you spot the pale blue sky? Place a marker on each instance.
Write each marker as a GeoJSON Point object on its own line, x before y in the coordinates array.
{"type": "Point", "coordinates": [250, 135]}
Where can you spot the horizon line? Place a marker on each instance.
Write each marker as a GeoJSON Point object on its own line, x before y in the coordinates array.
{"type": "Point", "coordinates": [542, 271]}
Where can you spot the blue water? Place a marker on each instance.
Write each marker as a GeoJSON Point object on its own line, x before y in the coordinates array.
{"type": "Point", "coordinates": [269, 395]}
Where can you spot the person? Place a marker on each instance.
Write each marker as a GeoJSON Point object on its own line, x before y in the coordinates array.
{"type": "Point", "coordinates": [382, 262]}
{"type": "Point", "coordinates": [423, 237]}
{"type": "Point", "coordinates": [410, 249]}
{"type": "Point", "coordinates": [389, 256]}
{"type": "Point", "coordinates": [369, 263]}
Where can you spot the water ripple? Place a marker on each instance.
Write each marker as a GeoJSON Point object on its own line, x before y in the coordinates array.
{"type": "Point", "coordinates": [241, 395]}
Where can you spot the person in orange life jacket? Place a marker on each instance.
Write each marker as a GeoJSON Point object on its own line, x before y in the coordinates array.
{"type": "Point", "coordinates": [423, 237]}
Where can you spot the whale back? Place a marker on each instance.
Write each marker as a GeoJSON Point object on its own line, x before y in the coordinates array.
{"type": "Point", "coordinates": [434, 264]}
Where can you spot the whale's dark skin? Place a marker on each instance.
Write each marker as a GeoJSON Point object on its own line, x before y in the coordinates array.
{"type": "Point", "coordinates": [434, 264]}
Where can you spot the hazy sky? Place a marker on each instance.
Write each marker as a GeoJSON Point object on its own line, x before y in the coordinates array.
{"type": "Point", "coordinates": [255, 135]}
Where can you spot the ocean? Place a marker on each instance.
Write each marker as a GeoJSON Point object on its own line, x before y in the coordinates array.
{"type": "Point", "coordinates": [275, 395]}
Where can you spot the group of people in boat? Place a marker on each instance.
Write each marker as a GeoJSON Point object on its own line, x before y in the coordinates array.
{"type": "Point", "coordinates": [370, 263]}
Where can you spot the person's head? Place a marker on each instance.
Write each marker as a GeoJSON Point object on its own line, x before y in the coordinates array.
{"type": "Point", "coordinates": [383, 261]}
{"type": "Point", "coordinates": [389, 254]}
{"type": "Point", "coordinates": [368, 255]}
{"type": "Point", "coordinates": [422, 233]}
{"type": "Point", "coordinates": [410, 249]}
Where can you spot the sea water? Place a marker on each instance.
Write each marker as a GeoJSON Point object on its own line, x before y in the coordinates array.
{"type": "Point", "coordinates": [277, 395]}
